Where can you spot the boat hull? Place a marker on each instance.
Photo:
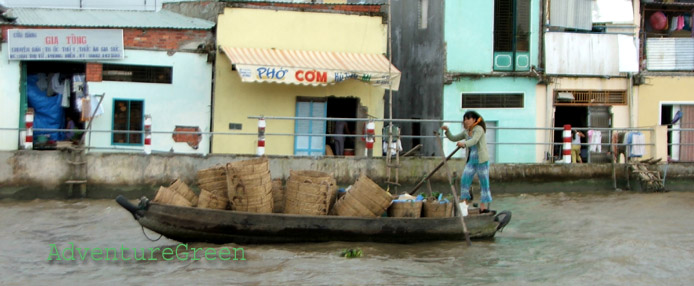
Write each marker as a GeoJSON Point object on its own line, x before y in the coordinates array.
{"type": "Point", "coordinates": [187, 224]}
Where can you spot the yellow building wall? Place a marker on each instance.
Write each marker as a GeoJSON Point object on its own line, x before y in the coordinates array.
{"type": "Point", "coordinates": [659, 90]}
{"type": "Point", "coordinates": [652, 95]}
{"type": "Point", "coordinates": [234, 100]}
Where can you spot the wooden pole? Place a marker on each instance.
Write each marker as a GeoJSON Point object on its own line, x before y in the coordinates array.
{"type": "Point", "coordinates": [431, 173]}
{"type": "Point", "coordinates": [453, 191]}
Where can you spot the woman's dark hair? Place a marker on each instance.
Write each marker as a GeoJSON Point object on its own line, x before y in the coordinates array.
{"type": "Point", "coordinates": [474, 115]}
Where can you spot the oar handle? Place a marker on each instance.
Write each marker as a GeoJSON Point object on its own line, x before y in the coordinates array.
{"type": "Point", "coordinates": [432, 172]}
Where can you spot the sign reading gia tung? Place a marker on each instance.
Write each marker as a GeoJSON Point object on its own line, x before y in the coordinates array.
{"type": "Point", "coordinates": [65, 44]}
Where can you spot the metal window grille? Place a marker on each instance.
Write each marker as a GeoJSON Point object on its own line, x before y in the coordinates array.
{"type": "Point", "coordinates": [132, 73]}
{"type": "Point", "coordinates": [495, 100]}
{"type": "Point", "coordinates": [128, 115]}
{"type": "Point", "coordinates": [591, 97]}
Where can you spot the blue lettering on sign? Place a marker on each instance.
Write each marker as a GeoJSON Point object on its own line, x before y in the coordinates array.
{"type": "Point", "coordinates": [339, 77]}
{"type": "Point", "coordinates": [271, 73]}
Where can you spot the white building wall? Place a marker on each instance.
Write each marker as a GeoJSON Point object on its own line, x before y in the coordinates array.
{"type": "Point", "coordinates": [185, 102]}
{"type": "Point", "coordinates": [9, 101]}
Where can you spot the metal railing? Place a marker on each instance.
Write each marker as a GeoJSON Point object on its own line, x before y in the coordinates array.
{"type": "Point", "coordinates": [547, 133]}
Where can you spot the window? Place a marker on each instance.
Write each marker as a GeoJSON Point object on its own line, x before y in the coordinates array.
{"type": "Point", "coordinates": [590, 97]}
{"type": "Point", "coordinates": [492, 100]}
{"type": "Point", "coordinates": [128, 115]}
{"type": "Point", "coordinates": [307, 145]}
{"type": "Point", "coordinates": [132, 73]}
{"type": "Point", "coordinates": [423, 14]}
{"type": "Point", "coordinates": [511, 35]}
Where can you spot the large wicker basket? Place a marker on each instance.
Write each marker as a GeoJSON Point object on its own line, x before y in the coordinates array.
{"type": "Point", "coordinates": [182, 189]}
{"type": "Point", "coordinates": [405, 209]}
{"type": "Point", "coordinates": [213, 180]}
{"type": "Point", "coordinates": [309, 193]}
{"type": "Point", "coordinates": [365, 199]}
{"type": "Point", "coordinates": [208, 200]}
{"type": "Point", "coordinates": [249, 186]}
{"type": "Point", "coordinates": [169, 197]}
{"type": "Point", "coordinates": [434, 208]}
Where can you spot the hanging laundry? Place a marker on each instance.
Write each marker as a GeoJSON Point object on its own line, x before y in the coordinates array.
{"type": "Point", "coordinates": [636, 144]}
{"type": "Point", "coordinates": [86, 109]}
{"type": "Point", "coordinates": [672, 24]}
{"type": "Point", "coordinates": [595, 140]}
{"type": "Point", "coordinates": [96, 106]}
{"type": "Point", "coordinates": [65, 102]}
{"type": "Point", "coordinates": [54, 85]}
{"type": "Point", "coordinates": [42, 82]}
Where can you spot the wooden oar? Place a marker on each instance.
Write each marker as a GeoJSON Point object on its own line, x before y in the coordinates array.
{"type": "Point", "coordinates": [432, 173]}
{"type": "Point", "coordinates": [453, 191]}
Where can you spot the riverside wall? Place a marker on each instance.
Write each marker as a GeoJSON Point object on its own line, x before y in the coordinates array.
{"type": "Point", "coordinates": [42, 174]}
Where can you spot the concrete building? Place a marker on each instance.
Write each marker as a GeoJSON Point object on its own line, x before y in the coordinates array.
{"type": "Point", "coordinates": [143, 62]}
{"type": "Point", "coordinates": [492, 55]}
{"type": "Point", "coordinates": [298, 60]}
{"type": "Point", "coordinates": [590, 58]}
{"type": "Point", "coordinates": [666, 78]}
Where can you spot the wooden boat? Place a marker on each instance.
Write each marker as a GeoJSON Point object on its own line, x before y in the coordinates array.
{"type": "Point", "coordinates": [188, 224]}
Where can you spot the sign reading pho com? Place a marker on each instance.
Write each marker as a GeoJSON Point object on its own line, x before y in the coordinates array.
{"type": "Point", "coordinates": [69, 44]}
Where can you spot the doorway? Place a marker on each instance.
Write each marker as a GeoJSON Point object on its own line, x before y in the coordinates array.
{"type": "Point", "coordinates": [577, 117]}
{"type": "Point", "coordinates": [48, 88]}
{"type": "Point", "coordinates": [342, 107]}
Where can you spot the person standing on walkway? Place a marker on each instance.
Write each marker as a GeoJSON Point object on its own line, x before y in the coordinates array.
{"type": "Point", "coordinates": [576, 147]}
{"type": "Point", "coordinates": [341, 127]}
{"type": "Point", "coordinates": [473, 138]}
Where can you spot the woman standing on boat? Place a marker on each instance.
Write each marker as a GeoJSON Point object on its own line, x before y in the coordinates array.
{"type": "Point", "coordinates": [473, 138]}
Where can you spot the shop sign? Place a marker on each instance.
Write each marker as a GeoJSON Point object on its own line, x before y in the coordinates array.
{"type": "Point", "coordinates": [65, 44]}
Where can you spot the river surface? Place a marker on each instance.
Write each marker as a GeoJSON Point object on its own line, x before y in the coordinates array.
{"type": "Point", "coordinates": [613, 238]}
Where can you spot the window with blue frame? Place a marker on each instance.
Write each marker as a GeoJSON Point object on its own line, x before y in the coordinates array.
{"type": "Point", "coordinates": [511, 35]}
{"type": "Point", "coordinates": [308, 145]}
{"type": "Point", "coordinates": [128, 115]}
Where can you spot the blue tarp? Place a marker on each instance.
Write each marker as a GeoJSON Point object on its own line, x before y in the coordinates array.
{"type": "Point", "coordinates": [48, 113]}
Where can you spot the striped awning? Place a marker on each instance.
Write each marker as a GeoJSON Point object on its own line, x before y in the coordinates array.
{"type": "Point", "coordinates": [312, 67]}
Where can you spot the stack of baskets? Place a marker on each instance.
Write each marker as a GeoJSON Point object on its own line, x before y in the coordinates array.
{"type": "Point", "coordinates": [309, 193]}
{"type": "Point", "coordinates": [436, 208]}
{"type": "Point", "coordinates": [177, 194]}
{"type": "Point", "coordinates": [169, 197]}
{"type": "Point", "coordinates": [365, 198]}
{"type": "Point", "coordinates": [250, 185]}
{"type": "Point", "coordinates": [213, 188]}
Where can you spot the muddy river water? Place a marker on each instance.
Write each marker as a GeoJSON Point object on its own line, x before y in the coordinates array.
{"type": "Point", "coordinates": [607, 238]}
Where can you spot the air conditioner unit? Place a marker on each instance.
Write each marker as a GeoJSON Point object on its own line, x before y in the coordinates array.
{"type": "Point", "coordinates": [565, 96]}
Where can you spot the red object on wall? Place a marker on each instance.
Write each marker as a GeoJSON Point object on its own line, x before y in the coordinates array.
{"type": "Point", "coordinates": [658, 21]}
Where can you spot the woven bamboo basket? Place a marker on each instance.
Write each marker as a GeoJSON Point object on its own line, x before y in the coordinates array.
{"type": "Point", "coordinates": [213, 180]}
{"type": "Point", "coordinates": [249, 186]}
{"type": "Point", "coordinates": [277, 196]}
{"type": "Point", "coordinates": [252, 198]}
{"type": "Point", "coordinates": [246, 167]}
{"type": "Point", "coordinates": [309, 193]}
{"type": "Point", "coordinates": [182, 189]}
{"type": "Point", "coordinates": [365, 199]}
{"type": "Point", "coordinates": [405, 209]}
{"type": "Point", "coordinates": [212, 172]}
{"type": "Point", "coordinates": [169, 197]}
{"type": "Point", "coordinates": [432, 208]}
{"type": "Point", "coordinates": [208, 200]}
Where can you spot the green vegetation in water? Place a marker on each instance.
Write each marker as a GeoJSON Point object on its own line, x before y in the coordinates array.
{"type": "Point", "coordinates": [352, 253]}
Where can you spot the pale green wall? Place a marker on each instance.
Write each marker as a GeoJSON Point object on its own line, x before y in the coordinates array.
{"type": "Point", "coordinates": [505, 117]}
{"type": "Point", "coordinates": [469, 35]}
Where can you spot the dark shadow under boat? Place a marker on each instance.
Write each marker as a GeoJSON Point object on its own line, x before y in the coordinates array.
{"type": "Point", "coordinates": [188, 224]}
